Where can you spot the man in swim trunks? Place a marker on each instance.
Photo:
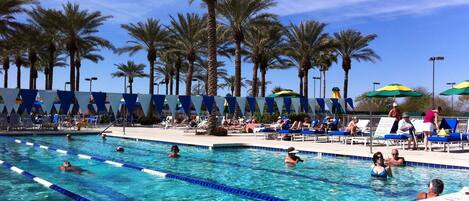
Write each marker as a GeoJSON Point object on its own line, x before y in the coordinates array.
{"type": "Point", "coordinates": [435, 188]}
{"type": "Point", "coordinates": [67, 167]}
{"type": "Point", "coordinates": [292, 159]}
{"type": "Point", "coordinates": [395, 160]}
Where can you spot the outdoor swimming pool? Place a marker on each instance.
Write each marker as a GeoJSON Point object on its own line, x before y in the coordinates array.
{"type": "Point", "coordinates": [252, 170]}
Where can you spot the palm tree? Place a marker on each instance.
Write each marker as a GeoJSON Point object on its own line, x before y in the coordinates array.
{"type": "Point", "coordinates": [351, 44]}
{"type": "Point", "coordinates": [324, 61]}
{"type": "Point", "coordinates": [212, 58]}
{"type": "Point", "coordinates": [166, 73]}
{"type": "Point", "coordinates": [169, 62]}
{"type": "Point", "coordinates": [18, 52]}
{"type": "Point", "coordinates": [5, 55]}
{"type": "Point", "coordinates": [34, 43]}
{"type": "Point", "coordinates": [305, 41]}
{"type": "Point", "coordinates": [230, 83]}
{"type": "Point", "coordinates": [201, 73]}
{"type": "Point", "coordinates": [44, 64]}
{"type": "Point", "coordinates": [149, 36]}
{"type": "Point", "coordinates": [188, 39]}
{"type": "Point", "coordinates": [43, 20]}
{"type": "Point", "coordinates": [250, 84]}
{"type": "Point", "coordinates": [76, 26]}
{"type": "Point", "coordinates": [85, 52]}
{"type": "Point", "coordinates": [130, 70]}
{"type": "Point", "coordinates": [238, 16]}
{"type": "Point", "coordinates": [8, 10]}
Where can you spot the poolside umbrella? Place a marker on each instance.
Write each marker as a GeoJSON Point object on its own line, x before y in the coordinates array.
{"type": "Point", "coordinates": [460, 89]}
{"type": "Point", "coordinates": [394, 90]}
{"type": "Point", "coordinates": [284, 93]}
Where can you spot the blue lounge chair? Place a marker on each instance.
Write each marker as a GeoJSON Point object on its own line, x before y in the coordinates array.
{"type": "Point", "coordinates": [453, 137]}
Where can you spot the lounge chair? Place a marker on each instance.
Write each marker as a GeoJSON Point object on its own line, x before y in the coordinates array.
{"type": "Point", "coordinates": [289, 131]}
{"type": "Point", "coordinates": [384, 128]}
{"type": "Point", "coordinates": [453, 137]}
{"type": "Point", "coordinates": [3, 122]}
{"type": "Point", "coordinates": [364, 129]}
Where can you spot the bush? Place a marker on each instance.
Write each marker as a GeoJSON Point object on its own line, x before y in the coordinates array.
{"type": "Point", "coordinates": [105, 119]}
{"type": "Point", "coordinates": [147, 120]}
{"type": "Point", "coordinates": [219, 131]}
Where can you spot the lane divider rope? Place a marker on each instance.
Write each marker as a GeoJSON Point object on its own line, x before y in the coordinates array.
{"type": "Point", "coordinates": [43, 182]}
{"type": "Point", "coordinates": [167, 175]}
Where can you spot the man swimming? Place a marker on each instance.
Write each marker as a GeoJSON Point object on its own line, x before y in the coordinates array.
{"type": "Point", "coordinates": [395, 160]}
{"type": "Point", "coordinates": [292, 159]}
{"type": "Point", "coordinates": [67, 167]}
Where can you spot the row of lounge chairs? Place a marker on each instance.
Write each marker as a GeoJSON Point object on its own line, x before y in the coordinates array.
{"type": "Point", "coordinates": [381, 135]}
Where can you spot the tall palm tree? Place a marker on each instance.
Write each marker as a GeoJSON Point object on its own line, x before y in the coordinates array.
{"type": "Point", "coordinates": [43, 19]}
{"type": "Point", "coordinates": [149, 36]}
{"type": "Point", "coordinates": [77, 25]}
{"type": "Point", "coordinates": [18, 52]}
{"type": "Point", "coordinates": [212, 58]}
{"type": "Point", "coordinates": [85, 52]}
{"type": "Point", "coordinates": [250, 84]}
{"type": "Point", "coordinates": [324, 61]}
{"type": "Point", "coordinates": [34, 43]}
{"type": "Point", "coordinates": [5, 55]}
{"type": "Point", "coordinates": [44, 64]}
{"type": "Point", "coordinates": [305, 41]}
{"type": "Point", "coordinates": [188, 39]}
{"type": "Point", "coordinates": [272, 59]}
{"type": "Point", "coordinates": [351, 44]}
{"type": "Point", "coordinates": [168, 60]}
{"type": "Point", "coordinates": [130, 70]}
{"type": "Point", "coordinates": [238, 16]}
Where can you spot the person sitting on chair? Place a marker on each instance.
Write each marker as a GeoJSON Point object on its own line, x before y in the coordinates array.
{"type": "Point", "coordinates": [405, 127]}
{"type": "Point", "coordinates": [352, 126]}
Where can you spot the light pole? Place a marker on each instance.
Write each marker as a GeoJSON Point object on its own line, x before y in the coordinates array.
{"type": "Point", "coordinates": [452, 100]}
{"type": "Point", "coordinates": [158, 86]}
{"type": "Point", "coordinates": [65, 86]}
{"type": "Point", "coordinates": [314, 85]}
{"type": "Point", "coordinates": [433, 59]}
{"type": "Point", "coordinates": [91, 81]}
{"type": "Point", "coordinates": [374, 85]}
{"type": "Point", "coordinates": [198, 92]}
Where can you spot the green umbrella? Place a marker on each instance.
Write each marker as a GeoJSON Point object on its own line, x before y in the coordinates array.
{"type": "Point", "coordinates": [285, 93]}
{"type": "Point", "coordinates": [460, 89]}
{"type": "Point", "coordinates": [394, 90]}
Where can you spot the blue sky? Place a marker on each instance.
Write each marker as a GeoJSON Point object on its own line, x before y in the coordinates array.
{"type": "Point", "coordinates": [409, 32]}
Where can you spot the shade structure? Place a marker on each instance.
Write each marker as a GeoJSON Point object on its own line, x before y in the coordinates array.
{"type": "Point", "coordinates": [460, 89]}
{"type": "Point", "coordinates": [394, 90]}
{"type": "Point", "coordinates": [285, 93]}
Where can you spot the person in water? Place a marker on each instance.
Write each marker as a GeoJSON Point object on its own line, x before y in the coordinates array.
{"type": "Point", "coordinates": [395, 160]}
{"type": "Point", "coordinates": [103, 136]}
{"type": "Point", "coordinates": [291, 158]}
{"type": "Point", "coordinates": [378, 168]}
{"type": "Point", "coordinates": [67, 167]}
{"type": "Point", "coordinates": [435, 188]}
{"type": "Point", "coordinates": [69, 136]}
{"type": "Point", "coordinates": [120, 149]}
{"type": "Point", "coordinates": [174, 152]}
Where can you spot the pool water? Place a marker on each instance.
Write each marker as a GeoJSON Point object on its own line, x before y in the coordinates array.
{"type": "Point", "coordinates": [256, 170]}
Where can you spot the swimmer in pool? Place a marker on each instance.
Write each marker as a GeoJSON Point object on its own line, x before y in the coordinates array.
{"type": "Point", "coordinates": [292, 159]}
{"type": "Point", "coordinates": [378, 169]}
{"type": "Point", "coordinates": [174, 152]}
{"type": "Point", "coordinates": [67, 167]}
{"type": "Point", "coordinates": [103, 136]}
{"type": "Point", "coordinates": [69, 136]}
{"type": "Point", "coordinates": [120, 149]}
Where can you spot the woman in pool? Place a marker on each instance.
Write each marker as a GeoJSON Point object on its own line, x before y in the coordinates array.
{"type": "Point", "coordinates": [174, 152]}
{"type": "Point", "coordinates": [67, 167]}
{"type": "Point", "coordinates": [292, 159]}
{"type": "Point", "coordinates": [380, 170]}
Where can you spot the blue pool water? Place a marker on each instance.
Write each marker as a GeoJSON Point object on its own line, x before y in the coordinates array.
{"type": "Point", "coordinates": [255, 170]}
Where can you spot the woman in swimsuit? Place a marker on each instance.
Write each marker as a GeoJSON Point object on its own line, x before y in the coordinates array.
{"type": "Point", "coordinates": [380, 170]}
{"type": "Point", "coordinates": [435, 188]}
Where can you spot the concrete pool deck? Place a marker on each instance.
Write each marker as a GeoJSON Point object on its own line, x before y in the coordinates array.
{"type": "Point", "coordinates": [179, 136]}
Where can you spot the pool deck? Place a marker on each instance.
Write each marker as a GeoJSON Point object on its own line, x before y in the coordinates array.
{"type": "Point", "coordinates": [179, 136]}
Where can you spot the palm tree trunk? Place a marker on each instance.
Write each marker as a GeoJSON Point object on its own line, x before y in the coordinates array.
{"type": "Point", "coordinates": [189, 78]}
{"type": "Point", "coordinates": [18, 71]}
{"type": "Point", "coordinates": [346, 64]}
{"type": "Point", "coordinates": [51, 78]}
{"type": "Point", "coordinates": [166, 86]}
{"type": "Point", "coordinates": [50, 68]}
{"type": "Point", "coordinates": [152, 76]}
{"type": "Point", "coordinates": [237, 83]}
{"type": "Point", "coordinates": [324, 84]}
{"type": "Point", "coordinates": [301, 84]}
{"type": "Point", "coordinates": [254, 79]}
{"type": "Point", "coordinates": [6, 66]}
{"type": "Point", "coordinates": [206, 85]}
{"type": "Point", "coordinates": [32, 69]}
{"type": "Point", "coordinates": [171, 85]}
{"type": "Point", "coordinates": [131, 82]}
{"type": "Point", "coordinates": [263, 81]}
{"type": "Point", "coordinates": [72, 69]}
{"type": "Point", "coordinates": [305, 80]}
{"type": "Point", "coordinates": [212, 61]}
{"type": "Point", "coordinates": [178, 69]}
{"type": "Point", "coordinates": [77, 68]}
